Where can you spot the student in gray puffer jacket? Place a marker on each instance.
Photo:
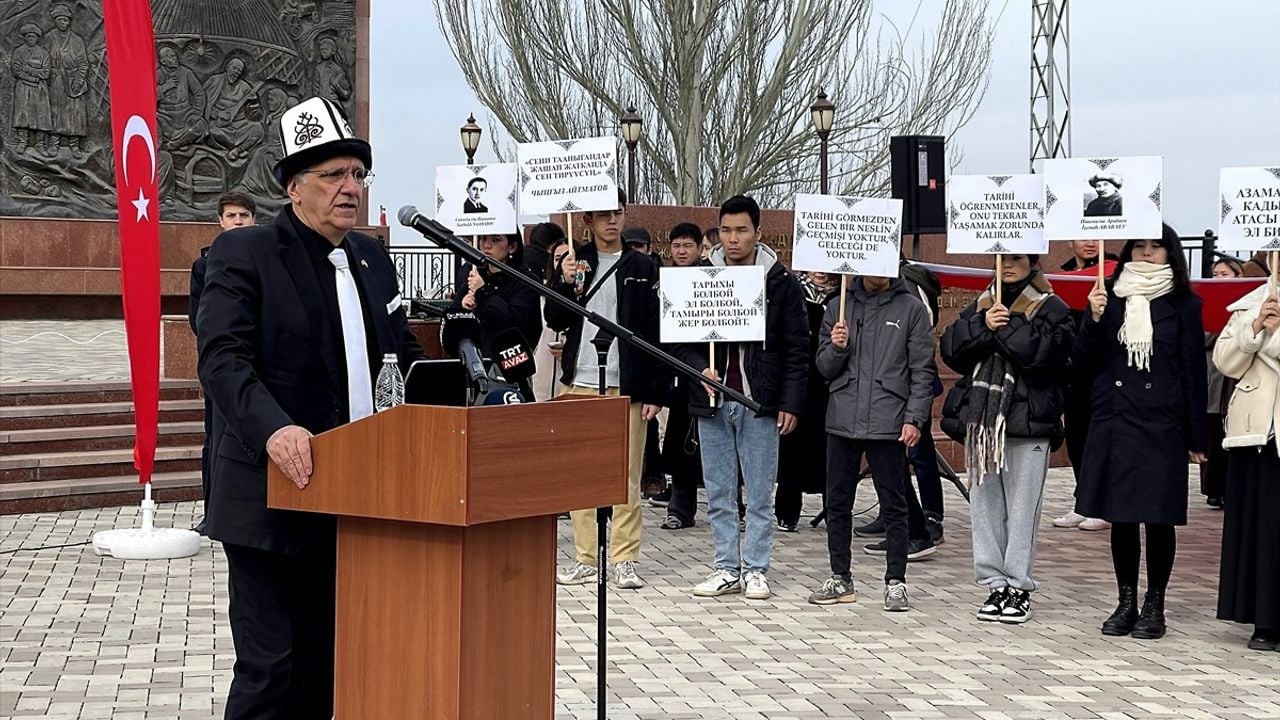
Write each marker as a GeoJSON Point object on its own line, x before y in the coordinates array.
{"type": "Point", "coordinates": [880, 364]}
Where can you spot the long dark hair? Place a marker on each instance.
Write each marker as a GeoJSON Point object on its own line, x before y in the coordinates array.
{"type": "Point", "coordinates": [1172, 244]}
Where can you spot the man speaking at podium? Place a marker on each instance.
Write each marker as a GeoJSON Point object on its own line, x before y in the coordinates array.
{"type": "Point", "coordinates": [293, 324]}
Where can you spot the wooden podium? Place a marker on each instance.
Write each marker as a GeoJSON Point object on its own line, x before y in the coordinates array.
{"type": "Point", "coordinates": [447, 549]}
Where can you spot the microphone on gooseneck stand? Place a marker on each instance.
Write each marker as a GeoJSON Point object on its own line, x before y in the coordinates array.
{"type": "Point", "coordinates": [460, 334]}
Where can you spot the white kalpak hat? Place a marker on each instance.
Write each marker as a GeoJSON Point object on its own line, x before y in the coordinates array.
{"type": "Point", "coordinates": [313, 131]}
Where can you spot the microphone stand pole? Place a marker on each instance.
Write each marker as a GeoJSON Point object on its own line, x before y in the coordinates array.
{"type": "Point", "coordinates": [602, 341]}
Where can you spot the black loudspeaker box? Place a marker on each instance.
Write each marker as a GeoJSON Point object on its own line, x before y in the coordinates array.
{"type": "Point", "coordinates": [917, 164]}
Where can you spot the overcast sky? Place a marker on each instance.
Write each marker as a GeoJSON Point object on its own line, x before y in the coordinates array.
{"type": "Point", "coordinates": [1194, 81]}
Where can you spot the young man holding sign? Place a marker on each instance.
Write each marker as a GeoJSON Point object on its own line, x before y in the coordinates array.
{"type": "Point", "coordinates": [880, 364]}
{"type": "Point", "coordinates": [622, 285]}
{"type": "Point", "coordinates": [772, 373]}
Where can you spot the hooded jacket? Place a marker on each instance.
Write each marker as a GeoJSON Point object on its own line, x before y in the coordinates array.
{"type": "Point", "coordinates": [1253, 416]}
{"type": "Point", "coordinates": [775, 370]}
{"type": "Point", "coordinates": [883, 378]}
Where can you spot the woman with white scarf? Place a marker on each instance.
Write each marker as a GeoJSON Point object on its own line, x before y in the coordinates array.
{"type": "Point", "coordinates": [1142, 342]}
{"type": "Point", "coordinates": [1249, 586]}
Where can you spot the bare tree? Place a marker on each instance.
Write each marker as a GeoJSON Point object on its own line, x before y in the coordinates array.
{"type": "Point", "coordinates": [724, 86]}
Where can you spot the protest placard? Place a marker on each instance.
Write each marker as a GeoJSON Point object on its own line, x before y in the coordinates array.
{"type": "Point", "coordinates": [995, 214]}
{"type": "Point", "coordinates": [477, 199]}
{"type": "Point", "coordinates": [849, 235]}
{"type": "Point", "coordinates": [712, 304]}
{"type": "Point", "coordinates": [1249, 208]}
{"type": "Point", "coordinates": [568, 175]}
{"type": "Point", "coordinates": [1102, 198]}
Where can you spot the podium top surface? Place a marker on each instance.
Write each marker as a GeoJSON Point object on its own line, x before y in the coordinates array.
{"type": "Point", "coordinates": [467, 465]}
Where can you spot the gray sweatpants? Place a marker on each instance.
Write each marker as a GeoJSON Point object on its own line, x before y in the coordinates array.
{"type": "Point", "coordinates": [1005, 510]}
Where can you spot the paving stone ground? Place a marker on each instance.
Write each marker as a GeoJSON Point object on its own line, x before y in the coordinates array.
{"type": "Point", "coordinates": [84, 637]}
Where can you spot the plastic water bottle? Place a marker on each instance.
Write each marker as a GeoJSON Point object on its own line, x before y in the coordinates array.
{"type": "Point", "coordinates": [390, 388]}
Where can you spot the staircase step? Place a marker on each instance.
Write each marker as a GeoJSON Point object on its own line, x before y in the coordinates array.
{"type": "Point", "coordinates": [29, 417]}
{"type": "Point", "coordinates": [37, 467]}
{"type": "Point", "coordinates": [80, 493]}
{"type": "Point", "coordinates": [88, 391]}
{"type": "Point", "coordinates": [105, 437]}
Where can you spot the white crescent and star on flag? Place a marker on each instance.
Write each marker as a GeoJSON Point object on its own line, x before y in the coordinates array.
{"type": "Point", "coordinates": [137, 127]}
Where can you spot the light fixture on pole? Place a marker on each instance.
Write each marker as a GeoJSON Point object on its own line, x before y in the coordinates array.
{"type": "Point", "coordinates": [471, 138]}
{"type": "Point", "coordinates": [823, 113]}
{"type": "Point", "coordinates": [632, 127]}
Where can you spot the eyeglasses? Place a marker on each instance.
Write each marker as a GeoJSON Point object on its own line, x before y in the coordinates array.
{"type": "Point", "coordinates": [337, 176]}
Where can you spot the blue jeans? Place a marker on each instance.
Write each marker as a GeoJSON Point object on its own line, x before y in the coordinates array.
{"type": "Point", "coordinates": [735, 436]}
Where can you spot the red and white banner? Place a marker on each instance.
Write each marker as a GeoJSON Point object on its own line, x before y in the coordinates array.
{"type": "Point", "coordinates": [131, 65]}
{"type": "Point", "coordinates": [1074, 287]}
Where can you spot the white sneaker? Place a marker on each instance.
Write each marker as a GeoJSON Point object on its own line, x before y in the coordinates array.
{"type": "Point", "coordinates": [757, 586]}
{"type": "Point", "coordinates": [1094, 524]}
{"type": "Point", "coordinates": [579, 574]}
{"type": "Point", "coordinates": [719, 582]}
{"type": "Point", "coordinates": [1070, 520]}
{"type": "Point", "coordinates": [625, 577]}
{"type": "Point", "coordinates": [895, 597]}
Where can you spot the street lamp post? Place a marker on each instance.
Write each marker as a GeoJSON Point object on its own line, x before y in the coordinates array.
{"type": "Point", "coordinates": [823, 113]}
{"type": "Point", "coordinates": [632, 127]}
{"type": "Point", "coordinates": [471, 138]}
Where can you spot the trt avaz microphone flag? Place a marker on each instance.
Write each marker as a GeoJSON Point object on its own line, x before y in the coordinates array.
{"type": "Point", "coordinates": [131, 65]}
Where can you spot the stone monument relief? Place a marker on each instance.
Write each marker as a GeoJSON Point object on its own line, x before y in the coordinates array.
{"type": "Point", "coordinates": [225, 72]}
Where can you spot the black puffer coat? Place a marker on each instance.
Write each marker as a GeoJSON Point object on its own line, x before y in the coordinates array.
{"type": "Point", "coordinates": [1037, 351]}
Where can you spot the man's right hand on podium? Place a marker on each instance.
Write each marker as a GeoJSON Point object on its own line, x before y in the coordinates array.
{"type": "Point", "coordinates": [290, 449]}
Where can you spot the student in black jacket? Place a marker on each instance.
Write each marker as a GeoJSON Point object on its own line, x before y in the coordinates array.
{"type": "Point", "coordinates": [772, 373]}
{"type": "Point", "coordinates": [621, 285]}
{"type": "Point", "coordinates": [498, 301]}
{"type": "Point", "coordinates": [1006, 411]}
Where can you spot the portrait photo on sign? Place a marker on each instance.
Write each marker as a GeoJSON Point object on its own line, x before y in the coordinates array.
{"type": "Point", "coordinates": [477, 199]}
{"type": "Point", "coordinates": [1114, 198]}
{"type": "Point", "coordinates": [993, 214]}
{"type": "Point", "coordinates": [1249, 206]}
{"type": "Point", "coordinates": [568, 175]}
{"type": "Point", "coordinates": [848, 235]}
{"type": "Point", "coordinates": [712, 304]}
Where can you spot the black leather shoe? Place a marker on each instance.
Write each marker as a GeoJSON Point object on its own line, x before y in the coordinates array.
{"type": "Point", "coordinates": [1265, 640]}
{"type": "Point", "coordinates": [200, 528]}
{"type": "Point", "coordinates": [1125, 617]}
{"type": "Point", "coordinates": [1150, 625]}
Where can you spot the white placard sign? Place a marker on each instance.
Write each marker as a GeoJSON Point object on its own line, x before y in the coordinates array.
{"type": "Point", "coordinates": [477, 199]}
{"type": "Point", "coordinates": [849, 235]}
{"type": "Point", "coordinates": [1102, 198]}
{"type": "Point", "coordinates": [995, 214]}
{"type": "Point", "coordinates": [706, 304]}
{"type": "Point", "coordinates": [568, 175]}
{"type": "Point", "coordinates": [1249, 206]}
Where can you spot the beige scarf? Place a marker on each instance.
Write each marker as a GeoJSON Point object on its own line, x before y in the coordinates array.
{"type": "Point", "coordinates": [1140, 283]}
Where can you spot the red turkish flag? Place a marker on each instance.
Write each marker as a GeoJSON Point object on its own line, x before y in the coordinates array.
{"type": "Point", "coordinates": [131, 64]}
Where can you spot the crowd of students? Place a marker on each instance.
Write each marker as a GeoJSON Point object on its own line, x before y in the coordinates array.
{"type": "Point", "coordinates": [1125, 383]}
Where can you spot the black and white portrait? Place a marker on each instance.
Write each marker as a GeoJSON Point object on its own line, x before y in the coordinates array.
{"type": "Point", "coordinates": [476, 189]}
{"type": "Point", "coordinates": [1109, 201]}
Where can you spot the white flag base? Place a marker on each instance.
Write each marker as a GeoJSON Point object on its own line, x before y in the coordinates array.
{"type": "Point", "coordinates": [147, 542]}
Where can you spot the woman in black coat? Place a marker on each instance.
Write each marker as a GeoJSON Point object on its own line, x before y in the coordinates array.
{"type": "Point", "coordinates": [499, 302]}
{"type": "Point", "coordinates": [1142, 342]}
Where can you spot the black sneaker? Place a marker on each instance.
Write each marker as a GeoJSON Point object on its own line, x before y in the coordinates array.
{"type": "Point", "coordinates": [1017, 607]}
{"type": "Point", "coordinates": [934, 524]}
{"type": "Point", "coordinates": [916, 549]}
{"type": "Point", "coordinates": [875, 528]}
{"type": "Point", "coordinates": [788, 527]}
{"type": "Point", "coordinates": [990, 610]}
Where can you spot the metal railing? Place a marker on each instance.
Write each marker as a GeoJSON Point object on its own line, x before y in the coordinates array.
{"type": "Point", "coordinates": [425, 273]}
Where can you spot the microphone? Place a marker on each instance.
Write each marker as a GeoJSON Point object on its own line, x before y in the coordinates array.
{"type": "Point", "coordinates": [439, 234]}
{"type": "Point", "coordinates": [513, 355]}
{"type": "Point", "coordinates": [503, 396]}
{"type": "Point", "coordinates": [458, 334]}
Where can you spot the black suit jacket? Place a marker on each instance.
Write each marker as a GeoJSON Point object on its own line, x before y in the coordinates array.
{"type": "Point", "coordinates": [270, 357]}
